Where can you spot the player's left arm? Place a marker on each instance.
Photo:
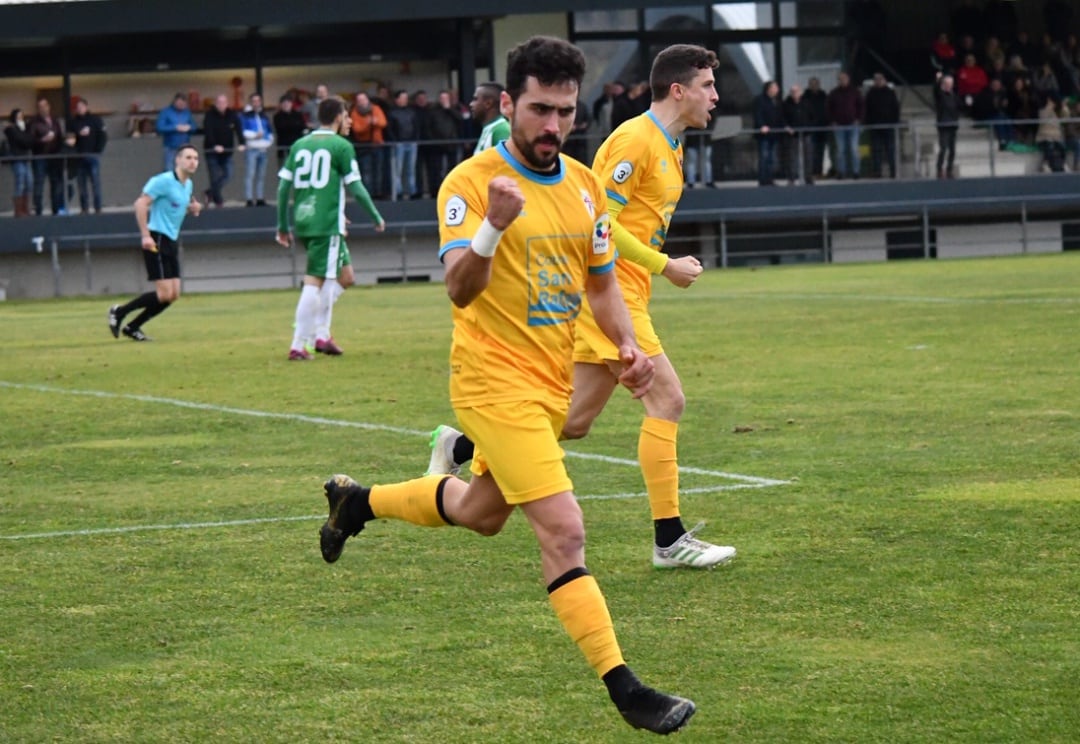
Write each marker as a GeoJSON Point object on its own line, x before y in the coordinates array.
{"type": "Point", "coordinates": [284, 192]}
{"type": "Point", "coordinates": [630, 247]}
{"type": "Point", "coordinates": [360, 193]}
{"type": "Point", "coordinates": [682, 271]}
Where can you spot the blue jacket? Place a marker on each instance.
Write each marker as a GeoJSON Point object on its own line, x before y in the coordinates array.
{"type": "Point", "coordinates": [167, 121]}
{"type": "Point", "coordinates": [258, 134]}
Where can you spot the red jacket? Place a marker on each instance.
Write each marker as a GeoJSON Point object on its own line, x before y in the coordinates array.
{"type": "Point", "coordinates": [971, 80]}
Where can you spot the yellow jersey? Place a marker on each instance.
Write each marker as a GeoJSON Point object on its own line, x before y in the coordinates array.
{"type": "Point", "coordinates": [641, 168]}
{"type": "Point", "coordinates": [515, 340]}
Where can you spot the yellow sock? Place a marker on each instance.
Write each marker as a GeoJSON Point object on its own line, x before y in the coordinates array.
{"type": "Point", "coordinates": [660, 466]}
{"type": "Point", "coordinates": [416, 501]}
{"type": "Point", "coordinates": [582, 610]}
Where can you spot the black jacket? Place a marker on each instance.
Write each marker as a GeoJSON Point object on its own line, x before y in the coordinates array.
{"type": "Point", "coordinates": [20, 141]}
{"type": "Point", "coordinates": [882, 106]}
{"type": "Point", "coordinates": [222, 129]}
{"type": "Point", "coordinates": [948, 107]}
{"type": "Point", "coordinates": [800, 114]}
{"type": "Point", "coordinates": [442, 123]}
{"type": "Point", "coordinates": [289, 127]}
{"type": "Point", "coordinates": [94, 140]}
{"type": "Point", "coordinates": [768, 112]}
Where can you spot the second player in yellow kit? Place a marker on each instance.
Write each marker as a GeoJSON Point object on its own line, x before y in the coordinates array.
{"type": "Point", "coordinates": [640, 167]}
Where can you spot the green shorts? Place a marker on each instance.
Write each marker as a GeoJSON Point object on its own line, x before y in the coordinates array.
{"type": "Point", "coordinates": [326, 254]}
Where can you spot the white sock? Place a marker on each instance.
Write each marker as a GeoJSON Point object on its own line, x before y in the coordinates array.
{"type": "Point", "coordinates": [306, 309]}
{"type": "Point", "coordinates": [331, 290]}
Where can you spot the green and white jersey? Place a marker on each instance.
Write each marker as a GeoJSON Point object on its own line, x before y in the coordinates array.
{"type": "Point", "coordinates": [494, 132]}
{"type": "Point", "coordinates": [319, 167]}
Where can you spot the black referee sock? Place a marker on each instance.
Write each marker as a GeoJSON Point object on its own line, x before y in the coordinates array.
{"type": "Point", "coordinates": [156, 309]}
{"type": "Point", "coordinates": [143, 300]}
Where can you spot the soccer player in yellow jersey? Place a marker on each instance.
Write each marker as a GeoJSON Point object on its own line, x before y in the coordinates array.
{"type": "Point", "coordinates": [640, 166]}
{"type": "Point", "coordinates": [524, 232]}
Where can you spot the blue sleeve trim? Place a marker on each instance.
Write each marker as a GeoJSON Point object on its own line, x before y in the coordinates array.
{"type": "Point", "coordinates": [602, 269]}
{"type": "Point", "coordinates": [616, 196]}
{"type": "Point", "coordinates": [463, 243]}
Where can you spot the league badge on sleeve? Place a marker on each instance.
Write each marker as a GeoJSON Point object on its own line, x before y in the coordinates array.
{"type": "Point", "coordinates": [622, 172]}
{"type": "Point", "coordinates": [455, 211]}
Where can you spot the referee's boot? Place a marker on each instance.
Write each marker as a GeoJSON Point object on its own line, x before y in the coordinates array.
{"type": "Point", "coordinates": [349, 510]}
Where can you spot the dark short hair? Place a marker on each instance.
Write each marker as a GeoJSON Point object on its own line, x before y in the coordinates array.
{"type": "Point", "coordinates": [14, 114]}
{"type": "Point", "coordinates": [679, 63]}
{"type": "Point", "coordinates": [548, 59]}
{"type": "Point", "coordinates": [185, 146]}
{"type": "Point", "coordinates": [490, 89]}
{"type": "Point", "coordinates": [329, 110]}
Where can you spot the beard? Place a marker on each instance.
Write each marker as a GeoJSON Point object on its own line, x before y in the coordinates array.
{"type": "Point", "coordinates": [534, 159]}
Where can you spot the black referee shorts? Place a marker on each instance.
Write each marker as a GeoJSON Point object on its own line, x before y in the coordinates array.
{"type": "Point", "coordinates": [163, 263]}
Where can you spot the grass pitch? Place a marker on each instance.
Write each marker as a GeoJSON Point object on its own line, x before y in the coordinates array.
{"type": "Point", "coordinates": [894, 449]}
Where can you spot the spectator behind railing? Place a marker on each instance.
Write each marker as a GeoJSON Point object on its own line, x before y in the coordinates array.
{"type": "Point", "coordinates": [90, 139]}
{"type": "Point", "coordinates": [1049, 138]}
{"type": "Point", "coordinates": [47, 132]}
{"type": "Point", "coordinates": [882, 114]}
{"type": "Point", "coordinates": [846, 112]}
{"type": "Point", "coordinates": [1071, 127]}
{"type": "Point", "coordinates": [175, 126]}
{"type": "Point", "coordinates": [947, 103]}
{"type": "Point", "coordinates": [817, 101]}
{"type": "Point", "coordinates": [769, 126]}
{"type": "Point", "coordinates": [403, 130]}
{"type": "Point", "coordinates": [1025, 49]}
{"type": "Point", "coordinates": [20, 148]}
{"type": "Point", "coordinates": [222, 136]}
{"type": "Point", "coordinates": [443, 123]}
{"type": "Point", "coordinates": [799, 145]}
{"type": "Point", "coordinates": [1016, 69]}
{"type": "Point", "coordinates": [992, 52]}
{"type": "Point", "coordinates": [1045, 83]}
{"type": "Point", "coordinates": [1022, 110]}
{"type": "Point", "coordinates": [991, 108]}
{"type": "Point", "coordinates": [368, 124]}
{"type": "Point", "coordinates": [943, 54]}
{"type": "Point", "coordinates": [258, 138]}
{"type": "Point", "coordinates": [970, 81]}
{"type": "Point", "coordinates": [289, 126]}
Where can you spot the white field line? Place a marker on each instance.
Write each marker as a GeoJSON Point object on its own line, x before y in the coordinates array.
{"type": "Point", "coordinates": [854, 297]}
{"type": "Point", "coordinates": [742, 481]}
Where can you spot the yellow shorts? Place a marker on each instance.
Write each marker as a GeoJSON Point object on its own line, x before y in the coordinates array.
{"type": "Point", "coordinates": [591, 346]}
{"type": "Point", "coordinates": [519, 443]}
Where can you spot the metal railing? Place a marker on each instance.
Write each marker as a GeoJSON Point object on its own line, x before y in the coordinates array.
{"type": "Point", "coordinates": [128, 162]}
{"type": "Point", "coordinates": [404, 269]}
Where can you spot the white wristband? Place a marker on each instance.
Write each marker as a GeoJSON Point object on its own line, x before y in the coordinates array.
{"type": "Point", "coordinates": [486, 239]}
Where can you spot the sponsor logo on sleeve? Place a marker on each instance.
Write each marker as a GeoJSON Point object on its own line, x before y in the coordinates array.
{"type": "Point", "coordinates": [601, 235]}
